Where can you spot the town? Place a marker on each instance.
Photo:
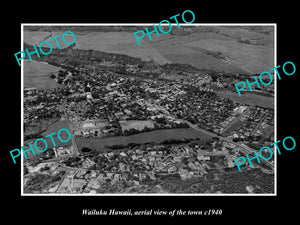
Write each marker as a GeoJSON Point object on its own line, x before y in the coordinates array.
{"type": "Point", "coordinates": [141, 127]}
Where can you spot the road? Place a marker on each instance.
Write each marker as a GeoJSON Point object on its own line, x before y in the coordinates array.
{"type": "Point", "coordinates": [247, 150]}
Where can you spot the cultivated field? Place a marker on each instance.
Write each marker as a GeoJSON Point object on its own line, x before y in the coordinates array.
{"type": "Point", "coordinates": [251, 58]}
{"type": "Point", "coordinates": [249, 50]}
{"type": "Point", "coordinates": [55, 127]}
{"type": "Point", "coordinates": [36, 75]}
{"type": "Point", "coordinates": [119, 42]}
{"type": "Point", "coordinates": [36, 37]}
{"type": "Point", "coordinates": [191, 47]}
{"type": "Point", "coordinates": [249, 99]}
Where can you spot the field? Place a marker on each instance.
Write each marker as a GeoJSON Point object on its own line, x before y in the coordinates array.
{"type": "Point", "coordinates": [119, 42]}
{"type": "Point", "coordinates": [249, 50]}
{"type": "Point", "coordinates": [36, 37]}
{"type": "Point", "coordinates": [191, 48]}
{"type": "Point", "coordinates": [250, 58]}
{"type": "Point", "coordinates": [39, 127]}
{"type": "Point", "coordinates": [249, 99]}
{"type": "Point", "coordinates": [36, 75]}
{"type": "Point", "coordinates": [112, 42]}
{"type": "Point", "coordinates": [156, 136]}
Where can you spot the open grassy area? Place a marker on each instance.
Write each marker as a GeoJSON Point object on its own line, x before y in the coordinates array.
{"type": "Point", "coordinates": [249, 99]}
{"type": "Point", "coordinates": [119, 42]}
{"type": "Point", "coordinates": [39, 127]}
{"type": "Point", "coordinates": [113, 42]}
{"type": "Point", "coordinates": [250, 58]}
{"type": "Point", "coordinates": [36, 37]}
{"type": "Point", "coordinates": [254, 54]}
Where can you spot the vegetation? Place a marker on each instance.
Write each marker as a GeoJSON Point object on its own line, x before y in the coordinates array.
{"type": "Point", "coordinates": [230, 182]}
{"type": "Point", "coordinates": [73, 161]}
{"type": "Point", "coordinates": [39, 182]}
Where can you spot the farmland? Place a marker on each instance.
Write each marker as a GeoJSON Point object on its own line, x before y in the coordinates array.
{"type": "Point", "coordinates": [36, 75]}
{"type": "Point", "coordinates": [249, 99]}
{"type": "Point", "coordinates": [113, 42]}
{"type": "Point", "coordinates": [119, 42]}
{"type": "Point", "coordinates": [251, 58]}
{"type": "Point", "coordinates": [247, 50]}
{"type": "Point", "coordinates": [36, 37]}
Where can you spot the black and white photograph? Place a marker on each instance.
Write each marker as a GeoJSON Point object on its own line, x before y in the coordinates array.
{"type": "Point", "coordinates": [163, 117]}
{"type": "Point", "coordinates": [149, 113]}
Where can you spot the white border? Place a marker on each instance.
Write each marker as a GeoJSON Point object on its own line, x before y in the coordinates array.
{"type": "Point", "coordinates": [150, 24]}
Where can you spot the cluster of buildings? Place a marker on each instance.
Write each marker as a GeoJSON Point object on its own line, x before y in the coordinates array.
{"type": "Point", "coordinates": [256, 127]}
{"type": "Point", "coordinates": [111, 92]}
{"type": "Point", "coordinates": [108, 98]}
{"type": "Point", "coordinates": [39, 106]}
{"type": "Point", "coordinates": [135, 166]}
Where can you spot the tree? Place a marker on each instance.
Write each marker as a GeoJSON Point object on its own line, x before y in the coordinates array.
{"type": "Point", "coordinates": [25, 170]}
{"type": "Point", "coordinates": [52, 75]}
